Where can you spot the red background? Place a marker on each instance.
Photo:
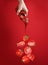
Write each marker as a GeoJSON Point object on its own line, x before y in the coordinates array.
{"type": "Point", "coordinates": [12, 29]}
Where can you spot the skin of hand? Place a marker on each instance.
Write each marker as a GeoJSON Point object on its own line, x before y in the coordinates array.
{"type": "Point", "coordinates": [21, 7]}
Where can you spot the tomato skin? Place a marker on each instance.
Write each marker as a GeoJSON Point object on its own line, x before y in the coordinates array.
{"type": "Point", "coordinates": [31, 43]}
{"type": "Point", "coordinates": [31, 57]}
{"type": "Point", "coordinates": [19, 52]}
{"type": "Point", "coordinates": [21, 44]}
{"type": "Point", "coordinates": [27, 50]}
{"type": "Point", "coordinates": [25, 59]}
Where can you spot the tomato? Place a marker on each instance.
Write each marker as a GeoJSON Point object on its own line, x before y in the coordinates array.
{"type": "Point", "coordinates": [19, 52]}
{"type": "Point", "coordinates": [31, 43]}
{"type": "Point", "coordinates": [25, 59]}
{"type": "Point", "coordinates": [27, 50]}
{"type": "Point", "coordinates": [21, 44]}
{"type": "Point", "coordinates": [31, 57]}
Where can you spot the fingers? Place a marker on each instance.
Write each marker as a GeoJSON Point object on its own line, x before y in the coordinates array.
{"type": "Point", "coordinates": [25, 9]}
{"type": "Point", "coordinates": [19, 9]}
{"type": "Point", "coordinates": [26, 13]}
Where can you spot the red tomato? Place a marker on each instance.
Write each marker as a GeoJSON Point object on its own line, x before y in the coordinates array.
{"type": "Point", "coordinates": [31, 57]}
{"type": "Point", "coordinates": [27, 50]}
{"type": "Point", "coordinates": [25, 59]}
{"type": "Point", "coordinates": [19, 52]}
{"type": "Point", "coordinates": [21, 44]}
{"type": "Point", "coordinates": [31, 43]}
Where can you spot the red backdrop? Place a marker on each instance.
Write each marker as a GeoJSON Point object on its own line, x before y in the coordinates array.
{"type": "Point", "coordinates": [12, 30]}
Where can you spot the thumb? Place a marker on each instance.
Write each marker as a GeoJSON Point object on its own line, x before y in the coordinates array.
{"type": "Point", "coordinates": [19, 9]}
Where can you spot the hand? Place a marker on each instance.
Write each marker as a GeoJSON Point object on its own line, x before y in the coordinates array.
{"type": "Point", "coordinates": [21, 7]}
